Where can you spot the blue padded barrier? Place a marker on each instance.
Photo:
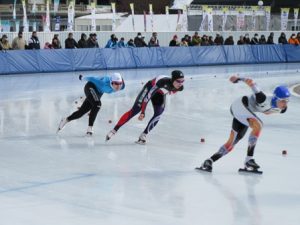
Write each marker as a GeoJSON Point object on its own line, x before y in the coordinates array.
{"type": "Point", "coordinates": [208, 55]}
{"type": "Point", "coordinates": [88, 59]}
{"type": "Point", "coordinates": [22, 61]}
{"type": "Point", "coordinates": [292, 53]}
{"type": "Point", "coordinates": [37, 61]}
{"type": "Point", "coordinates": [116, 58]}
{"type": "Point", "coordinates": [57, 60]}
{"type": "Point", "coordinates": [177, 56]}
{"type": "Point", "coordinates": [239, 54]}
{"type": "Point", "coordinates": [148, 57]}
{"type": "Point", "coordinates": [268, 53]}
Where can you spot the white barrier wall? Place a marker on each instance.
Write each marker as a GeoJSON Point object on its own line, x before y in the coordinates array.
{"type": "Point", "coordinates": [163, 37]}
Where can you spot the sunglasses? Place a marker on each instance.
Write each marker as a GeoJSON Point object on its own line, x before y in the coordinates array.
{"type": "Point", "coordinates": [116, 83]}
{"type": "Point", "coordinates": [179, 81]}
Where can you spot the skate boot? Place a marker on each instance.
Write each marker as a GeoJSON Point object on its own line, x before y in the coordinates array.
{"type": "Point", "coordinates": [142, 139]}
{"type": "Point", "coordinates": [206, 166]}
{"type": "Point", "coordinates": [89, 131]}
{"type": "Point", "coordinates": [251, 165]}
{"type": "Point", "coordinates": [110, 134]}
{"type": "Point", "coordinates": [62, 123]}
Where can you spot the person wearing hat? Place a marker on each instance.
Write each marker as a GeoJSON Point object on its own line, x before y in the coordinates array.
{"type": "Point", "coordinates": [94, 89]}
{"type": "Point", "coordinates": [19, 43]}
{"type": "Point", "coordinates": [4, 43]}
{"type": "Point", "coordinates": [174, 42]}
{"type": "Point", "coordinates": [154, 90]}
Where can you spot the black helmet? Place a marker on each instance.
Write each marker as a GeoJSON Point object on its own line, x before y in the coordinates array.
{"type": "Point", "coordinates": [176, 74]}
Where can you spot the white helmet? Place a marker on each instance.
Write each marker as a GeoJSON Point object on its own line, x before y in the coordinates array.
{"type": "Point", "coordinates": [116, 77]}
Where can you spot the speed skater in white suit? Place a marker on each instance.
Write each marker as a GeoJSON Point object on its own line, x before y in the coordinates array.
{"type": "Point", "coordinates": [244, 111]}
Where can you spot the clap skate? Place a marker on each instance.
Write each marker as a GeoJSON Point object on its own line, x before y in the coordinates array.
{"type": "Point", "coordinates": [110, 134]}
{"type": "Point", "coordinates": [142, 139]}
{"type": "Point", "coordinates": [206, 166]}
{"type": "Point", "coordinates": [62, 123]}
{"type": "Point", "coordinates": [251, 167]}
{"type": "Point", "coordinates": [89, 131]}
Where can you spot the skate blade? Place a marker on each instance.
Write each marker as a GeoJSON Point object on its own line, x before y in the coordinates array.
{"type": "Point", "coordinates": [140, 142]}
{"type": "Point", "coordinates": [244, 170]}
{"type": "Point", "coordinates": [89, 134]}
{"type": "Point", "coordinates": [200, 169]}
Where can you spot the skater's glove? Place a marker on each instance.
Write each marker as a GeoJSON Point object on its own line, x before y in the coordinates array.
{"type": "Point", "coordinates": [141, 116]}
{"type": "Point", "coordinates": [80, 77]}
{"type": "Point", "coordinates": [249, 82]}
{"type": "Point", "coordinates": [234, 79]}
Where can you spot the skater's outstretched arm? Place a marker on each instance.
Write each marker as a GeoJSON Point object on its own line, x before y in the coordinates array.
{"type": "Point", "coordinates": [259, 95]}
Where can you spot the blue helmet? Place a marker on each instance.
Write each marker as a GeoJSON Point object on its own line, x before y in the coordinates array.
{"type": "Point", "coordinates": [280, 92]}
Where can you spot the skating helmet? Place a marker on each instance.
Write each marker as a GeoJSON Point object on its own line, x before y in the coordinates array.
{"type": "Point", "coordinates": [116, 78]}
{"type": "Point", "coordinates": [177, 74]}
{"type": "Point", "coordinates": [280, 93]}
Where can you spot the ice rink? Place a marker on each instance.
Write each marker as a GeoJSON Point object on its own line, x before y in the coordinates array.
{"type": "Point", "coordinates": [50, 179]}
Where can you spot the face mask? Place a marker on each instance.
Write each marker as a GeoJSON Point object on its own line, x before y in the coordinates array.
{"type": "Point", "coordinates": [140, 36]}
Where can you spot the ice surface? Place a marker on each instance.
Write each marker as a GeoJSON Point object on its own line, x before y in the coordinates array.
{"type": "Point", "coordinates": [71, 179]}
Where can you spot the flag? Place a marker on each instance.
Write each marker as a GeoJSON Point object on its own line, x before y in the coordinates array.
{"type": "Point", "coordinates": [71, 14]}
{"type": "Point", "coordinates": [224, 17]}
{"type": "Point", "coordinates": [57, 23]}
{"type": "Point", "coordinates": [210, 20]}
{"type": "Point", "coordinates": [204, 17]}
{"type": "Point", "coordinates": [56, 5]}
{"type": "Point", "coordinates": [178, 19]}
{"type": "Point", "coordinates": [296, 11]}
{"type": "Point", "coordinates": [167, 15]}
{"type": "Point", "coordinates": [25, 21]}
{"type": "Point", "coordinates": [132, 14]}
{"type": "Point", "coordinates": [254, 9]}
{"type": "Point", "coordinates": [34, 6]}
{"type": "Point", "coordinates": [145, 21]}
{"type": "Point", "coordinates": [240, 19]}
{"type": "Point", "coordinates": [113, 7]}
{"type": "Point", "coordinates": [151, 16]}
{"type": "Point", "coordinates": [93, 16]}
{"type": "Point", "coordinates": [284, 18]}
{"type": "Point", "coordinates": [268, 17]}
{"type": "Point", "coordinates": [47, 27]}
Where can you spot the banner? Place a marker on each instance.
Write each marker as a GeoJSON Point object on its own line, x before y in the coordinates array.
{"type": "Point", "coordinates": [145, 21]}
{"type": "Point", "coordinates": [254, 9]}
{"type": "Point", "coordinates": [57, 23]}
{"type": "Point", "coordinates": [113, 7]}
{"type": "Point", "coordinates": [132, 15]}
{"type": "Point", "coordinates": [34, 26]}
{"type": "Point", "coordinates": [25, 21]}
{"type": "Point", "coordinates": [204, 17]}
{"type": "Point", "coordinates": [56, 5]}
{"type": "Point", "coordinates": [224, 17]}
{"type": "Point", "coordinates": [210, 21]}
{"type": "Point", "coordinates": [71, 14]}
{"type": "Point", "coordinates": [167, 16]}
{"type": "Point", "coordinates": [17, 26]}
{"type": "Point", "coordinates": [296, 11]}
{"type": "Point", "coordinates": [151, 16]}
{"type": "Point", "coordinates": [93, 16]}
{"type": "Point", "coordinates": [284, 18]}
{"type": "Point", "coordinates": [268, 17]}
{"type": "Point", "coordinates": [14, 10]}
{"type": "Point", "coordinates": [240, 19]}
{"type": "Point", "coordinates": [47, 27]}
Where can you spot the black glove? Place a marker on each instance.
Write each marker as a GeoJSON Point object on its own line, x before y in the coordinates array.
{"type": "Point", "coordinates": [80, 77]}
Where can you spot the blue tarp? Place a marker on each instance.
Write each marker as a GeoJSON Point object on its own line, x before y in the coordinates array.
{"type": "Point", "coordinates": [37, 61]}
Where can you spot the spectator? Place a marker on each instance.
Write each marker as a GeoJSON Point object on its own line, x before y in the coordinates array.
{"type": "Point", "coordinates": [112, 42]}
{"type": "Point", "coordinates": [33, 42]}
{"type": "Point", "coordinates": [282, 39]}
{"type": "Point", "coordinates": [183, 42]}
{"type": "Point", "coordinates": [4, 43]}
{"type": "Point", "coordinates": [196, 39]}
{"type": "Point", "coordinates": [70, 42]}
{"type": "Point", "coordinates": [139, 41]}
{"type": "Point", "coordinates": [210, 40]}
{"type": "Point", "coordinates": [229, 41]}
{"type": "Point", "coordinates": [82, 43]}
{"type": "Point", "coordinates": [19, 43]}
{"type": "Point", "coordinates": [219, 40]}
{"type": "Point", "coordinates": [174, 41]}
{"type": "Point", "coordinates": [92, 41]}
{"type": "Point", "coordinates": [48, 46]}
{"type": "Point", "coordinates": [205, 41]}
{"type": "Point", "coordinates": [241, 40]}
{"type": "Point", "coordinates": [293, 40]}
{"type": "Point", "coordinates": [254, 40]}
{"type": "Point", "coordinates": [154, 42]}
{"type": "Point", "coordinates": [262, 40]}
{"type": "Point", "coordinates": [247, 39]}
{"type": "Point", "coordinates": [121, 43]}
{"type": "Point", "coordinates": [131, 44]}
{"type": "Point", "coordinates": [270, 40]}
{"type": "Point", "coordinates": [298, 36]}
{"type": "Point", "coordinates": [56, 42]}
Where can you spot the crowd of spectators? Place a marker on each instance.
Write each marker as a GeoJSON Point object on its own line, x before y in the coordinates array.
{"type": "Point", "coordinates": [19, 43]}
